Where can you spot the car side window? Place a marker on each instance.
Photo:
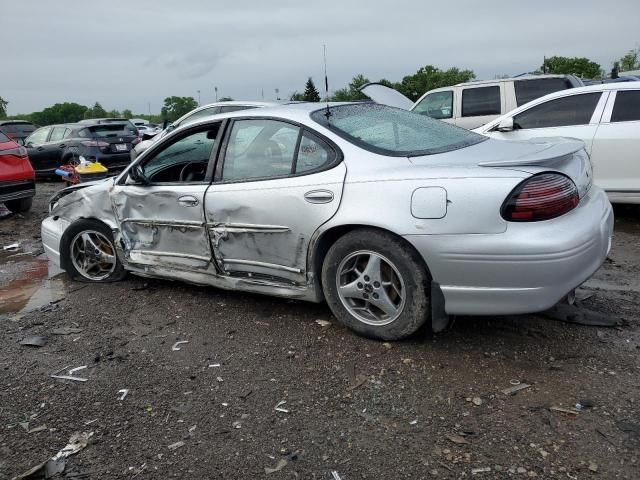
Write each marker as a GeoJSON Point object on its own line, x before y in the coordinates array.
{"type": "Point", "coordinates": [481, 101]}
{"type": "Point", "coordinates": [527, 90]}
{"type": "Point", "coordinates": [561, 112]}
{"type": "Point", "coordinates": [436, 105]}
{"type": "Point", "coordinates": [260, 149]}
{"type": "Point", "coordinates": [57, 134]}
{"type": "Point", "coordinates": [313, 153]}
{"type": "Point", "coordinates": [627, 106]}
{"type": "Point", "coordinates": [39, 136]}
{"type": "Point", "coordinates": [184, 160]}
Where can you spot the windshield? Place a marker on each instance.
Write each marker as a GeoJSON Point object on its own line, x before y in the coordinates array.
{"type": "Point", "coordinates": [394, 132]}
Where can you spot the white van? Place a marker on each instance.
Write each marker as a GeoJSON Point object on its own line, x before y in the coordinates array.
{"type": "Point", "coordinates": [471, 105]}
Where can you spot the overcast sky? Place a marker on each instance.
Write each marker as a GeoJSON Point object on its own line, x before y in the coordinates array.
{"type": "Point", "coordinates": [127, 54]}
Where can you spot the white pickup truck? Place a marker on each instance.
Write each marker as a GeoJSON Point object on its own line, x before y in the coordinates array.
{"type": "Point", "coordinates": [471, 105]}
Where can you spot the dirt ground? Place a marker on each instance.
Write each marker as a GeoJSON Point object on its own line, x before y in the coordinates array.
{"type": "Point", "coordinates": [429, 407]}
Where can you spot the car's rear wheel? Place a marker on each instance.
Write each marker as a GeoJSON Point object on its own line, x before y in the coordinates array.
{"type": "Point", "coordinates": [19, 205]}
{"type": "Point", "coordinates": [90, 253]}
{"type": "Point", "coordinates": [376, 285]}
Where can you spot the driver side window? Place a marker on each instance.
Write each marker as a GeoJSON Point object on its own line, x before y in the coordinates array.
{"type": "Point", "coordinates": [185, 160]}
{"type": "Point", "coordinates": [436, 105]}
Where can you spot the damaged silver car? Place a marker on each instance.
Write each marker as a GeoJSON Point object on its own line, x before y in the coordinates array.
{"type": "Point", "coordinates": [392, 218]}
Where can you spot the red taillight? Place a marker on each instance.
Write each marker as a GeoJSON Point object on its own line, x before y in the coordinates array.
{"type": "Point", "coordinates": [94, 143]}
{"type": "Point", "coordinates": [18, 152]}
{"type": "Point", "coordinates": [541, 197]}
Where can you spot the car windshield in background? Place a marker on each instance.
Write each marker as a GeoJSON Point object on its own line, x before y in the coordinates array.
{"type": "Point", "coordinates": [394, 132]}
{"type": "Point", "coordinates": [22, 129]}
{"type": "Point", "coordinates": [108, 130]}
{"type": "Point", "coordinates": [4, 138]}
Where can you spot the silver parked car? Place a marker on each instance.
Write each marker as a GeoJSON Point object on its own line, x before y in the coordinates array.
{"type": "Point", "coordinates": [392, 218]}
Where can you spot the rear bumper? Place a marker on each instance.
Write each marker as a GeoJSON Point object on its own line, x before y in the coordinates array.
{"type": "Point", "coordinates": [528, 268]}
{"type": "Point", "coordinates": [16, 190]}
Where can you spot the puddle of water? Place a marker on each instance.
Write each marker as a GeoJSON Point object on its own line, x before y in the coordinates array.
{"type": "Point", "coordinates": [28, 283]}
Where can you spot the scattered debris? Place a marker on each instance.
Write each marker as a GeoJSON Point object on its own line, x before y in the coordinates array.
{"type": "Point", "coordinates": [69, 377]}
{"type": "Point", "coordinates": [357, 382]}
{"type": "Point", "coordinates": [175, 446]}
{"type": "Point", "coordinates": [123, 393]}
{"type": "Point", "coordinates": [57, 464]}
{"type": "Point", "coordinates": [280, 465]}
{"type": "Point", "coordinates": [37, 429]}
{"type": "Point", "coordinates": [477, 401]}
{"type": "Point", "coordinates": [214, 365]}
{"type": "Point", "coordinates": [581, 316]}
{"type": "Point", "coordinates": [175, 347]}
{"type": "Point", "coordinates": [323, 323]}
{"type": "Point", "coordinates": [475, 471]}
{"type": "Point", "coordinates": [34, 341]}
{"type": "Point", "coordinates": [387, 345]}
{"type": "Point", "coordinates": [516, 388]}
{"type": "Point", "coordinates": [335, 475]}
{"type": "Point", "coordinates": [457, 439]}
{"type": "Point", "coordinates": [514, 382]}
{"type": "Point", "coordinates": [66, 331]}
{"type": "Point", "coordinates": [564, 410]}
{"type": "Point", "coordinates": [220, 379]}
{"type": "Point", "coordinates": [413, 422]}
{"type": "Point", "coordinates": [11, 248]}
{"type": "Point", "coordinates": [73, 370]}
{"type": "Point", "coordinates": [278, 408]}
{"type": "Point", "coordinates": [593, 466]}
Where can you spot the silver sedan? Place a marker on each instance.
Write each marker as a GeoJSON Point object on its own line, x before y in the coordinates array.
{"type": "Point", "coordinates": [392, 218]}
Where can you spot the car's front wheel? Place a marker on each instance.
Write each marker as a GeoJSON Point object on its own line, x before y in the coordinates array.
{"type": "Point", "coordinates": [376, 285]}
{"type": "Point", "coordinates": [90, 254]}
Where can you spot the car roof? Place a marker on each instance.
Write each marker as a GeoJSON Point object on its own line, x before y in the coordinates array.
{"type": "Point", "coordinates": [9, 122]}
{"type": "Point", "coordinates": [510, 79]}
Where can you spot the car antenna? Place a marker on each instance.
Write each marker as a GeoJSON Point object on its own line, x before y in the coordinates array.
{"type": "Point", "coordinates": [326, 81]}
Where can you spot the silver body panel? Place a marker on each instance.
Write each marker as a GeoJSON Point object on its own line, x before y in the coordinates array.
{"type": "Point", "coordinates": [262, 235]}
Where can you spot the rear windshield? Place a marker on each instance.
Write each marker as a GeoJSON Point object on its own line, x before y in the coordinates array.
{"type": "Point", "coordinates": [18, 128]}
{"type": "Point", "coordinates": [109, 130]}
{"type": "Point", "coordinates": [394, 132]}
{"type": "Point", "coordinates": [527, 90]}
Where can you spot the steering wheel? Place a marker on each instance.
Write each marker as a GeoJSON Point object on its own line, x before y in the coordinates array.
{"type": "Point", "coordinates": [193, 172]}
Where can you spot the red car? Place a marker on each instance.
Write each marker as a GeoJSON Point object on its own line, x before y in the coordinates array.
{"type": "Point", "coordinates": [17, 178]}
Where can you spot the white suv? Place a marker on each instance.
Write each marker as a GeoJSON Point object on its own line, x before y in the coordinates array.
{"type": "Point", "coordinates": [473, 104]}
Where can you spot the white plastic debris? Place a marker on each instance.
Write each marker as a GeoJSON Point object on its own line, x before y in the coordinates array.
{"type": "Point", "coordinates": [335, 475]}
{"type": "Point", "coordinates": [214, 365]}
{"type": "Point", "coordinates": [69, 377]}
{"type": "Point", "coordinates": [278, 407]}
{"type": "Point", "coordinates": [176, 347]}
{"type": "Point", "coordinates": [323, 323]}
{"type": "Point", "coordinates": [123, 393]}
{"type": "Point", "coordinates": [175, 446]}
{"type": "Point", "coordinates": [74, 370]}
{"type": "Point", "coordinates": [11, 248]}
{"type": "Point", "coordinates": [413, 422]}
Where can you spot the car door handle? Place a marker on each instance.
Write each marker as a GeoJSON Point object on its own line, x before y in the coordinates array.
{"type": "Point", "coordinates": [40, 149]}
{"type": "Point", "coordinates": [62, 145]}
{"type": "Point", "coordinates": [188, 201]}
{"type": "Point", "coordinates": [319, 196]}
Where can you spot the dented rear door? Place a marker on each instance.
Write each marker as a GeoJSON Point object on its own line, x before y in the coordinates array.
{"type": "Point", "coordinates": [260, 227]}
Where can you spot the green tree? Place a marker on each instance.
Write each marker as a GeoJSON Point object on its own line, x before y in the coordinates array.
{"type": "Point", "coordinates": [430, 77]}
{"type": "Point", "coordinates": [60, 113]}
{"type": "Point", "coordinates": [352, 91]}
{"type": "Point", "coordinates": [311, 92]}
{"type": "Point", "coordinates": [580, 66]}
{"type": "Point", "coordinates": [630, 60]}
{"type": "Point", "coordinates": [3, 107]}
{"type": "Point", "coordinates": [126, 113]}
{"type": "Point", "coordinates": [113, 113]}
{"type": "Point", "coordinates": [97, 111]}
{"type": "Point", "coordinates": [175, 107]}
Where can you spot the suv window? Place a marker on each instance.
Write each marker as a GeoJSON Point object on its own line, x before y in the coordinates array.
{"type": "Point", "coordinates": [527, 90]}
{"type": "Point", "coordinates": [561, 112]}
{"type": "Point", "coordinates": [185, 160]}
{"type": "Point", "coordinates": [627, 106]}
{"type": "Point", "coordinates": [481, 101]}
{"type": "Point", "coordinates": [39, 136]}
{"type": "Point", "coordinates": [260, 149]}
{"type": "Point", "coordinates": [436, 105]}
{"type": "Point", "coordinates": [57, 134]}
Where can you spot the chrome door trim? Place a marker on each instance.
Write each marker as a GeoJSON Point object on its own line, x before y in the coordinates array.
{"type": "Point", "coordinates": [170, 254]}
{"type": "Point", "coordinates": [246, 228]}
{"type": "Point", "coordinates": [165, 223]}
{"type": "Point", "coordinates": [234, 261]}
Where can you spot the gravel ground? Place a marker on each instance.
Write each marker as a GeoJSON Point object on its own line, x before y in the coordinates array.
{"type": "Point", "coordinates": [429, 407]}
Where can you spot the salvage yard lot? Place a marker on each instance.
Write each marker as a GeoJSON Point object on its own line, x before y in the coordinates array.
{"type": "Point", "coordinates": [430, 407]}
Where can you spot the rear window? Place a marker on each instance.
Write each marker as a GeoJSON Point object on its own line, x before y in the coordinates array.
{"type": "Point", "coordinates": [481, 101]}
{"type": "Point", "coordinates": [527, 90]}
{"type": "Point", "coordinates": [22, 129]}
{"type": "Point", "coordinates": [108, 130]}
{"type": "Point", "coordinates": [394, 132]}
{"type": "Point", "coordinates": [627, 106]}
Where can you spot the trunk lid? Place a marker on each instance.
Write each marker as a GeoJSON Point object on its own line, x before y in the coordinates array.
{"type": "Point", "coordinates": [386, 96]}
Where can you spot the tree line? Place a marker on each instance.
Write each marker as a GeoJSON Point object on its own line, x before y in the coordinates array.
{"type": "Point", "coordinates": [412, 86]}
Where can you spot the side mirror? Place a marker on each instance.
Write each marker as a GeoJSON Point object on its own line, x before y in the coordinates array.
{"type": "Point", "coordinates": [137, 175]}
{"type": "Point", "coordinates": [506, 125]}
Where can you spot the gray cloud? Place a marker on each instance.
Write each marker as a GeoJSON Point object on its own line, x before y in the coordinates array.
{"type": "Point", "coordinates": [130, 55]}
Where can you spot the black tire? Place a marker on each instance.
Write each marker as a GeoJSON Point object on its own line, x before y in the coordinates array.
{"type": "Point", "coordinates": [95, 228]}
{"type": "Point", "coordinates": [413, 313]}
{"type": "Point", "coordinates": [19, 205]}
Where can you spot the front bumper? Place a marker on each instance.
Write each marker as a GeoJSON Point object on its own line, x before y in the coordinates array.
{"type": "Point", "coordinates": [526, 269]}
{"type": "Point", "coordinates": [14, 190]}
{"type": "Point", "coordinates": [51, 231]}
